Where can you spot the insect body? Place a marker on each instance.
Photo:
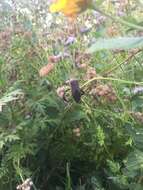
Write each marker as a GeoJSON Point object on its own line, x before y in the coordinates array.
{"type": "Point", "coordinates": [75, 90]}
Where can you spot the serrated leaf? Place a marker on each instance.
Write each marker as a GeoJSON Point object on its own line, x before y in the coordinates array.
{"type": "Point", "coordinates": [14, 95]}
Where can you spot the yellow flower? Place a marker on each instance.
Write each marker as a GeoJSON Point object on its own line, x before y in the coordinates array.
{"type": "Point", "coordinates": [70, 8]}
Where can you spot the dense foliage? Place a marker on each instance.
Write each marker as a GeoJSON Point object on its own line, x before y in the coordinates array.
{"type": "Point", "coordinates": [60, 144]}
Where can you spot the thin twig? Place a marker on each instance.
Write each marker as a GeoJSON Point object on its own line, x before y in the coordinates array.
{"type": "Point", "coordinates": [122, 63]}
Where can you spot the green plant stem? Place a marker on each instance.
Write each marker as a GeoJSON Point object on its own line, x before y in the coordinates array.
{"type": "Point", "coordinates": [34, 187]}
{"type": "Point", "coordinates": [68, 177]}
{"type": "Point", "coordinates": [120, 20]}
{"type": "Point", "coordinates": [18, 170]}
{"type": "Point", "coordinates": [111, 79]}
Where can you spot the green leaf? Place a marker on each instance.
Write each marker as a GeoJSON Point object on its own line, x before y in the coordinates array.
{"type": "Point", "coordinates": [122, 43]}
{"type": "Point", "coordinates": [75, 115]}
{"type": "Point", "coordinates": [136, 186]}
{"type": "Point", "coordinates": [100, 136]}
{"type": "Point", "coordinates": [134, 163]}
{"type": "Point", "coordinates": [11, 96]}
{"type": "Point", "coordinates": [114, 166]}
{"type": "Point", "coordinates": [14, 95]}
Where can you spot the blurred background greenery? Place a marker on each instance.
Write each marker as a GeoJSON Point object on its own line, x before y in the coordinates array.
{"type": "Point", "coordinates": [96, 144]}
